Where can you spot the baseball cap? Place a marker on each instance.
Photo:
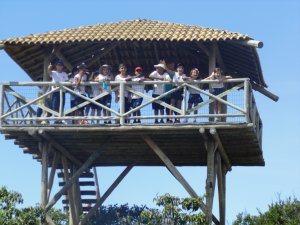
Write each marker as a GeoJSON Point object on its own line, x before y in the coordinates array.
{"type": "Point", "coordinates": [160, 65]}
{"type": "Point", "coordinates": [59, 62]}
{"type": "Point", "coordinates": [138, 68]}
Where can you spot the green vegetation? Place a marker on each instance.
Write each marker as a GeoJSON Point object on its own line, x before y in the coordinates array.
{"type": "Point", "coordinates": [172, 210]}
{"type": "Point", "coordinates": [10, 214]}
{"type": "Point", "coordinates": [280, 213]}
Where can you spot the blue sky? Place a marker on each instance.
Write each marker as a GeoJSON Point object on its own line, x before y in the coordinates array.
{"type": "Point", "coordinates": [276, 23]}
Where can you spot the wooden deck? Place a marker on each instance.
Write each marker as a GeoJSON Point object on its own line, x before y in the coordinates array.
{"type": "Point", "coordinates": [182, 143]}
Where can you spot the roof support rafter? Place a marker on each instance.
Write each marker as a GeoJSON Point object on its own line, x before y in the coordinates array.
{"type": "Point", "coordinates": [265, 92]}
{"type": "Point", "coordinates": [203, 48]}
{"type": "Point", "coordinates": [251, 43]}
{"type": "Point", "coordinates": [59, 55]}
{"type": "Point", "coordinates": [104, 52]}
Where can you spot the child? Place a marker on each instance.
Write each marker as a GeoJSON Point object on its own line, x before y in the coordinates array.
{"type": "Point", "coordinates": [158, 74]}
{"type": "Point", "coordinates": [194, 97]}
{"type": "Point", "coordinates": [176, 97]}
{"type": "Point", "coordinates": [57, 75]}
{"type": "Point", "coordinates": [217, 88]}
{"type": "Point", "coordinates": [105, 76]}
{"type": "Point", "coordinates": [72, 96]}
{"type": "Point", "coordinates": [123, 77]}
{"type": "Point", "coordinates": [80, 89]}
{"type": "Point", "coordinates": [95, 91]}
{"type": "Point", "coordinates": [137, 100]}
{"type": "Point", "coordinates": [169, 65]}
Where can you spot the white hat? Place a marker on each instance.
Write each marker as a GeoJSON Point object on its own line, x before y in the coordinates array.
{"type": "Point", "coordinates": [160, 65]}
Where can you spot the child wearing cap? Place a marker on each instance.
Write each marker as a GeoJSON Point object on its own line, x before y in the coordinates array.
{"type": "Point", "coordinates": [137, 100]}
{"type": "Point", "coordinates": [57, 75]}
{"type": "Point", "coordinates": [158, 89]}
{"type": "Point", "coordinates": [104, 77]}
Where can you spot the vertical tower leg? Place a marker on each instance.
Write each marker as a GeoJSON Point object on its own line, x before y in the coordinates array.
{"type": "Point", "coordinates": [221, 174]}
{"type": "Point", "coordinates": [210, 180]}
{"type": "Point", "coordinates": [43, 146]}
{"type": "Point", "coordinates": [73, 216]}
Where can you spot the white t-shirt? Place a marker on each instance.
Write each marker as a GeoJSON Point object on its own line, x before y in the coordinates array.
{"type": "Point", "coordinates": [95, 90]}
{"type": "Point", "coordinates": [193, 91]}
{"type": "Point", "coordinates": [158, 89]}
{"type": "Point", "coordinates": [120, 78]}
{"type": "Point", "coordinates": [81, 88]}
{"type": "Point", "coordinates": [58, 77]}
{"type": "Point", "coordinates": [102, 77]}
{"type": "Point", "coordinates": [178, 78]}
{"type": "Point", "coordinates": [217, 85]}
{"type": "Point", "coordinates": [139, 88]}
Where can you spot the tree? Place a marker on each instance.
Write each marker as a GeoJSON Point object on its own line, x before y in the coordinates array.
{"type": "Point", "coordinates": [279, 213]}
{"type": "Point", "coordinates": [174, 211]}
{"type": "Point", "coordinates": [11, 215]}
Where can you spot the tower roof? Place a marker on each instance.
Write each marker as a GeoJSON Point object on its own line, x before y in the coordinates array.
{"type": "Point", "coordinates": [137, 42]}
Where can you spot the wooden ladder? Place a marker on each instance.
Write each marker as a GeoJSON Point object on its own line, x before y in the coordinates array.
{"type": "Point", "coordinates": [89, 191]}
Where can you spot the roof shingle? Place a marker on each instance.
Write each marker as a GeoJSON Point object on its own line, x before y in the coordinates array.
{"type": "Point", "coordinates": [140, 30]}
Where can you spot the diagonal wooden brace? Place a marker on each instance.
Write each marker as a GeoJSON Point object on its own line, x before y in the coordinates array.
{"type": "Point", "coordinates": [105, 195]}
{"type": "Point", "coordinates": [77, 174]}
{"type": "Point", "coordinates": [176, 173]}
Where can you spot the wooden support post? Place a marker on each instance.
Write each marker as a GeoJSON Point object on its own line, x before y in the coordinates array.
{"type": "Point", "coordinates": [52, 173]}
{"type": "Point", "coordinates": [76, 175]}
{"type": "Point", "coordinates": [97, 183]}
{"type": "Point", "coordinates": [210, 184]}
{"type": "Point", "coordinates": [61, 110]}
{"type": "Point", "coordinates": [1, 102]}
{"type": "Point", "coordinates": [44, 152]}
{"type": "Point", "coordinates": [122, 102]}
{"type": "Point", "coordinates": [221, 188]}
{"type": "Point", "coordinates": [77, 196]}
{"type": "Point", "coordinates": [45, 68]}
{"type": "Point", "coordinates": [105, 195]}
{"type": "Point", "coordinates": [73, 216]}
{"type": "Point", "coordinates": [247, 100]}
{"type": "Point", "coordinates": [184, 100]}
{"type": "Point", "coordinates": [211, 67]}
{"type": "Point", "coordinates": [177, 174]}
{"type": "Point", "coordinates": [156, 52]}
{"type": "Point", "coordinates": [221, 149]}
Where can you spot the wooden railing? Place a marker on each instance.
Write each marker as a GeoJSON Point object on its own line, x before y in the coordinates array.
{"type": "Point", "coordinates": [19, 103]}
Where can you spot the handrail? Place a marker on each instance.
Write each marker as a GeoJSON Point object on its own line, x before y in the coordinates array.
{"type": "Point", "coordinates": [240, 103]}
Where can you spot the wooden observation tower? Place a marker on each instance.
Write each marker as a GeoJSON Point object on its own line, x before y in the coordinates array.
{"type": "Point", "coordinates": [199, 140]}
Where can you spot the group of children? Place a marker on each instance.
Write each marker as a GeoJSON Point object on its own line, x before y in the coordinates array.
{"type": "Point", "coordinates": [164, 71]}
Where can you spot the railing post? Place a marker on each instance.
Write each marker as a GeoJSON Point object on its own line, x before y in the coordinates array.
{"type": "Point", "coordinates": [184, 101]}
{"type": "Point", "coordinates": [122, 102]}
{"type": "Point", "coordinates": [1, 102]}
{"type": "Point", "coordinates": [246, 100]}
{"type": "Point", "coordinates": [60, 102]}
